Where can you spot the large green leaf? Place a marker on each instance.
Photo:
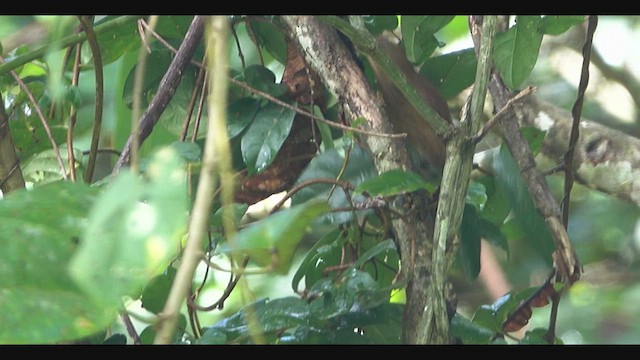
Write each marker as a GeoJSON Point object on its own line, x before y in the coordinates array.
{"type": "Point", "coordinates": [133, 231]}
{"type": "Point", "coordinates": [509, 179]}
{"type": "Point", "coordinates": [558, 24]}
{"type": "Point", "coordinates": [331, 165]}
{"type": "Point", "coordinates": [376, 24]}
{"type": "Point", "coordinates": [271, 38]}
{"type": "Point", "coordinates": [469, 252]}
{"type": "Point", "coordinates": [157, 291]}
{"type": "Point", "coordinates": [43, 168]}
{"type": "Point", "coordinates": [39, 234]}
{"type": "Point", "coordinates": [516, 50]}
{"type": "Point", "coordinates": [451, 73]}
{"type": "Point", "coordinates": [418, 35]}
{"type": "Point", "coordinates": [264, 137]}
{"type": "Point", "coordinates": [240, 113]}
{"type": "Point", "coordinates": [174, 26]}
{"type": "Point", "coordinates": [470, 332]}
{"type": "Point", "coordinates": [263, 79]}
{"type": "Point", "coordinates": [273, 240]}
{"type": "Point", "coordinates": [116, 42]}
{"type": "Point", "coordinates": [317, 259]}
{"type": "Point", "coordinates": [394, 182]}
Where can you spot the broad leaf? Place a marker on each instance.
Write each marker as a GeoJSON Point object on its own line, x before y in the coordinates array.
{"type": "Point", "coordinates": [116, 42]}
{"type": "Point", "coordinates": [394, 182]}
{"type": "Point", "coordinates": [273, 240]}
{"type": "Point", "coordinates": [331, 165]}
{"type": "Point", "coordinates": [264, 137]}
{"type": "Point", "coordinates": [418, 35]}
{"type": "Point", "coordinates": [469, 252]}
{"type": "Point", "coordinates": [44, 168]}
{"type": "Point", "coordinates": [376, 24]}
{"type": "Point", "coordinates": [39, 234]}
{"type": "Point", "coordinates": [470, 332]}
{"type": "Point", "coordinates": [558, 24]}
{"type": "Point", "coordinates": [133, 231]}
{"type": "Point", "coordinates": [271, 38]}
{"type": "Point", "coordinates": [509, 179]}
{"type": "Point", "coordinates": [263, 79]}
{"type": "Point", "coordinates": [516, 50]}
{"type": "Point", "coordinates": [156, 292]}
{"type": "Point", "coordinates": [451, 73]}
{"type": "Point", "coordinates": [240, 113]}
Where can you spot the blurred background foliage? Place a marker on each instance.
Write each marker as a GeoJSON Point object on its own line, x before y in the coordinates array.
{"type": "Point", "coordinates": [599, 309]}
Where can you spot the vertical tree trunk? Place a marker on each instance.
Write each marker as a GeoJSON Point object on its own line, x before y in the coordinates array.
{"type": "Point", "coordinates": [325, 53]}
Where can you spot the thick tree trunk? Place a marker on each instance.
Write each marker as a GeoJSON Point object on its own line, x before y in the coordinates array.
{"type": "Point", "coordinates": [327, 55]}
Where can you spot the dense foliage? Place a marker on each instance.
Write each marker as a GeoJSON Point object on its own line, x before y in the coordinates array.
{"type": "Point", "coordinates": [95, 261]}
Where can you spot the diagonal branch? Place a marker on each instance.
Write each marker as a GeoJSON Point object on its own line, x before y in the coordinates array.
{"type": "Point", "coordinates": [167, 88]}
{"type": "Point", "coordinates": [544, 201]}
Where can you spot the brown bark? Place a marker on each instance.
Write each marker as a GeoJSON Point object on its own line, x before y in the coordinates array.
{"type": "Point", "coordinates": [327, 55]}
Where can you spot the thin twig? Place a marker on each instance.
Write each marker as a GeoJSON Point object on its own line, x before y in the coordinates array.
{"type": "Point", "coordinates": [503, 112]}
{"type": "Point", "coordinates": [97, 122]}
{"type": "Point", "coordinates": [167, 88]}
{"type": "Point", "coordinates": [569, 171]}
{"type": "Point", "coordinates": [197, 90]}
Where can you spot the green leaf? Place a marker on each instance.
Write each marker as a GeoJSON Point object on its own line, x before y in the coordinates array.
{"type": "Point", "coordinates": [470, 332]}
{"type": "Point", "coordinates": [537, 337]}
{"type": "Point", "coordinates": [275, 316]}
{"type": "Point", "coordinates": [558, 24]}
{"type": "Point", "coordinates": [264, 137]}
{"type": "Point", "coordinates": [394, 182]}
{"type": "Point", "coordinates": [174, 26]}
{"type": "Point", "coordinates": [237, 211]}
{"type": "Point", "coordinates": [157, 291]}
{"type": "Point", "coordinates": [485, 317]}
{"type": "Point", "coordinates": [418, 35]}
{"type": "Point", "coordinates": [497, 206]}
{"type": "Point", "coordinates": [39, 234]}
{"type": "Point", "coordinates": [263, 79]}
{"type": "Point", "coordinates": [44, 168]}
{"type": "Point", "coordinates": [157, 63]}
{"type": "Point", "coordinates": [516, 50]}
{"type": "Point", "coordinates": [177, 110]}
{"type": "Point", "coordinates": [271, 38]}
{"type": "Point", "coordinates": [116, 42]}
{"type": "Point", "coordinates": [382, 247]}
{"type": "Point", "coordinates": [476, 195]}
{"type": "Point", "coordinates": [451, 73]}
{"type": "Point", "coordinates": [493, 234]}
{"type": "Point", "coordinates": [310, 261]}
{"type": "Point", "coordinates": [469, 252]}
{"type": "Point", "coordinates": [212, 336]}
{"type": "Point", "coordinates": [329, 165]}
{"type": "Point", "coordinates": [133, 232]}
{"type": "Point", "coordinates": [509, 179]}
{"type": "Point", "coordinates": [115, 339]}
{"type": "Point", "coordinates": [188, 151]}
{"type": "Point", "coordinates": [283, 313]}
{"type": "Point", "coordinates": [240, 113]}
{"type": "Point", "coordinates": [148, 335]}
{"type": "Point", "coordinates": [377, 24]}
{"type": "Point", "coordinates": [31, 138]}
{"type": "Point", "coordinates": [273, 240]}
{"type": "Point", "coordinates": [534, 137]}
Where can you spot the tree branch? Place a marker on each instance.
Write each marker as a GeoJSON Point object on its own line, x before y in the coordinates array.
{"type": "Point", "coordinates": [325, 52]}
{"type": "Point", "coordinates": [166, 89]}
{"type": "Point", "coordinates": [566, 259]}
